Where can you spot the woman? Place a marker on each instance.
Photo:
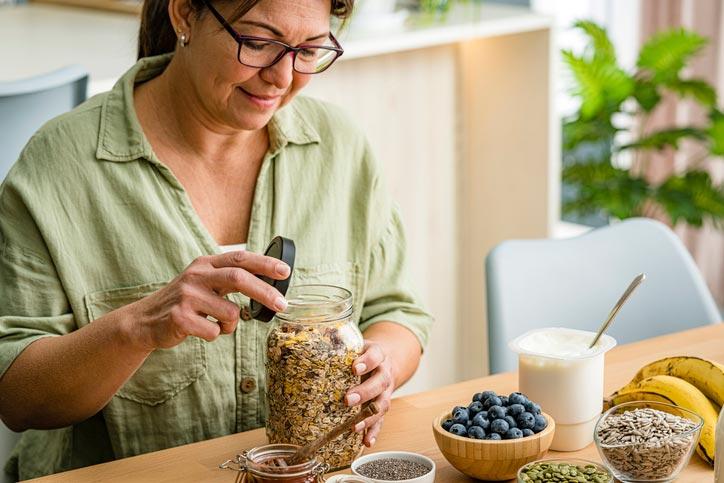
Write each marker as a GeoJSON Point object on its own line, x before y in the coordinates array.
{"type": "Point", "coordinates": [201, 145]}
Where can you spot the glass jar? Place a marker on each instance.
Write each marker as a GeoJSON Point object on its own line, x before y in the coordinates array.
{"type": "Point", "coordinates": [256, 466]}
{"type": "Point", "coordinates": [310, 349]}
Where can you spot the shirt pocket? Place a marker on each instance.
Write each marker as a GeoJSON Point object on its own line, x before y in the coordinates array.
{"type": "Point", "coordinates": [165, 372]}
{"type": "Point", "coordinates": [347, 275]}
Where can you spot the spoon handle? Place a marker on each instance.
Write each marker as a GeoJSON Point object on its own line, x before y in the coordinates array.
{"type": "Point", "coordinates": [306, 452]}
{"type": "Point", "coordinates": [632, 286]}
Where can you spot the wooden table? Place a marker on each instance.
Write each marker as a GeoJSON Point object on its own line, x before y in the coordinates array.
{"type": "Point", "coordinates": [408, 425]}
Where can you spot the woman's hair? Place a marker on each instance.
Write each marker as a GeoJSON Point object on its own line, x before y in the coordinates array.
{"type": "Point", "coordinates": [157, 36]}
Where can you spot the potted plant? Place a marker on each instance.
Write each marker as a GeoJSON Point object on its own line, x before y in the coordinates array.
{"type": "Point", "coordinates": [612, 125]}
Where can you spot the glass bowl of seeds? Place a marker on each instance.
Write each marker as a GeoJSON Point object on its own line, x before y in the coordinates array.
{"type": "Point", "coordinates": [647, 441]}
{"type": "Point", "coordinates": [564, 470]}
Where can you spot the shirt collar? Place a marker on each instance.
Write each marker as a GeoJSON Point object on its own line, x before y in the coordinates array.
{"type": "Point", "coordinates": [121, 138]}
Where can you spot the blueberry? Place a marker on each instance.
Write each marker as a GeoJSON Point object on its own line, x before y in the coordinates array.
{"type": "Point", "coordinates": [504, 400]}
{"type": "Point", "coordinates": [517, 398]}
{"type": "Point", "coordinates": [458, 429]}
{"type": "Point", "coordinates": [447, 424]}
{"type": "Point", "coordinates": [540, 423]}
{"type": "Point", "coordinates": [481, 421]}
{"type": "Point", "coordinates": [496, 412]}
{"type": "Point", "coordinates": [478, 397]}
{"type": "Point", "coordinates": [475, 408]}
{"type": "Point", "coordinates": [511, 421]}
{"type": "Point", "coordinates": [468, 424]}
{"type": "Point", "coordinates": [476, 432]}
{"type": "Point", "coordinates": [456, 408]}
{"type": "Point", "coordinates": [484, 413]}
{"type": "Point", "coordinates": [486, 394]}
{"type": "Point", "coordinates": [527, 432]}
{"type": "Point", "coordinates": [531, 407]}
{"type": "Point", "coordinates": [499, 426]}
{"type": "Point", "coordinates": [514, 433]}
{"type": "Point", "coordinates": [495, 436]}
{"type": "Point", "coordinates": [516, 409]}
{"type": "Point", "coordinates": [492, 401]}
{"type": "Point", "coordinates": [460, 415]}
{"type": "Point", "coordinates": [526, 421]}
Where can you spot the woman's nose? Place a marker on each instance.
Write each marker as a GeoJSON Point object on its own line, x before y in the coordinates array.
{"type": "Point", "coordinates": [281, 73]}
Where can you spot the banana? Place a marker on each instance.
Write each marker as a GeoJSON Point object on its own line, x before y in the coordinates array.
{"type": "Point", "coordinates": [681, 393]}
{"type": "Point", "coordinates": [706, 375]}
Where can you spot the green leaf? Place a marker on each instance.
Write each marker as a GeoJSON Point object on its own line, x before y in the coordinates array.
{"type": "Point", "coordinates": [716, 132]}
{"type": "Point", "coordinates": [577, 131]}
{"type": "Point", "coordinates": [692, 197]}
{"type": "Point", "coordinates": [666, 53]}
{"type": "Point", "coordinates": [666, 138]}
{"type": "Point", "coordinates": [599, 84]}
{"type": "Point", "coordinates": [602, 187]}
{"type": "Point", "coordinates": [646, 94]}
{"type": "Point", "coordinates": [699, 89]}
{"type": "Point", "coordinates": [603, 48]}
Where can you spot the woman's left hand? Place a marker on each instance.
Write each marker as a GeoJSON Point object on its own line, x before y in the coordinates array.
{"type": "Point", "coordinates": [377, 385]}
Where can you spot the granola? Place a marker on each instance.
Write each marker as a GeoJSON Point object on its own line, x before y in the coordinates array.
{"type": "Point", "coordinates": [309, 370]}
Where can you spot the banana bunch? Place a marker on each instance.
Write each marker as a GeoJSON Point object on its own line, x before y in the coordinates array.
{"type": "Point", "coordinates": [689, 382]}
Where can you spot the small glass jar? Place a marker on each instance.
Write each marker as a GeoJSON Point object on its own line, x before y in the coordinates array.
{"type": "Point", "coordinates": [257, 466]}
{"type": "Point", "coordinates": [309, 354]}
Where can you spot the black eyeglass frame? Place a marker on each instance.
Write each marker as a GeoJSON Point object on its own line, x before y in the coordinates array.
{"type": "Point", "coordinates": [240, 39]}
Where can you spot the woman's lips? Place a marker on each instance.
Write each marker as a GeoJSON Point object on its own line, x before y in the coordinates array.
{"type": "Point", "coordinates": [264, 102]}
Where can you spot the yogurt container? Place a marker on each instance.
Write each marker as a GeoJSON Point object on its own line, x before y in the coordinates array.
{"type": "Point", "coordinates": [558, 371]}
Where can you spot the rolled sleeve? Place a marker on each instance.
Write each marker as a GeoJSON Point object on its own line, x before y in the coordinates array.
{"type": "Point", "coordinates": [32, 301]}
{"type": "Point", "coordinates": [389, 296]}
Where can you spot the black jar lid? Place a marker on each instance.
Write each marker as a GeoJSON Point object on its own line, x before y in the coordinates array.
{"type": "Point", "coordinates": [284, 250]}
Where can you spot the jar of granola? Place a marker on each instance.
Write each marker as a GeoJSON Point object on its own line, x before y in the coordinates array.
{"type": "Point", "coordinates": [310, 349]}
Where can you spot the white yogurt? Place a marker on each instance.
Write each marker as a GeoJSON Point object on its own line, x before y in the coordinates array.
{"type": "Point", "coordinates": [557, 370]}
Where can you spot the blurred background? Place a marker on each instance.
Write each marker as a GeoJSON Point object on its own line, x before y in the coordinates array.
{"type": "Point", "coordinates": [494, 120]}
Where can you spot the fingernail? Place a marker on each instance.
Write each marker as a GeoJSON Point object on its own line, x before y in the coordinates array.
{"type": "Point", "coordinates": [359, 427]}
{"type": "Point", "coordinates": [283, 269]}
{"type": "Point", "coordinates": [360, 368]}
{"type": "Point", "coordinates": [280, 304]}
{"type": "Point", "coordinates": [373, 441]}
{"type": "Point", "coordinates": [352, 399]}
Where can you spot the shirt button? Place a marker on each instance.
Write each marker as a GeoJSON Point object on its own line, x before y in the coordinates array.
{"type": "Point", "coordinates": [245, 314]}
{"type": "Point", "coordinates": [248, 384]}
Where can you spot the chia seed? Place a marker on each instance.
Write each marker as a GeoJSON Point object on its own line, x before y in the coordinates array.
{"type": "Point", "coordinates": [393, 469]}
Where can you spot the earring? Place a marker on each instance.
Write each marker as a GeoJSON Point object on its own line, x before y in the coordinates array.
{"type": "Point", "coordinates": [183, 40]}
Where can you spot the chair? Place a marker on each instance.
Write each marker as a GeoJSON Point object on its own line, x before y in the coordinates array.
{"type": "Point", "coordinates": [27, 104]}
{"type": "Point", "coordinates": [575, 282]}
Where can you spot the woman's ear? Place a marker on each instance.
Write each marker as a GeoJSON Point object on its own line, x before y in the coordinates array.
{"type": "Point", "coordinates": [182, 17]}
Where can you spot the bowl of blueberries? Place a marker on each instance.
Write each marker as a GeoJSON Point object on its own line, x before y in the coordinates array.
{"type": "Point", "coordinates": [494, 435]}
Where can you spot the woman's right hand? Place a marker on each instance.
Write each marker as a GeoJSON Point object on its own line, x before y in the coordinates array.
{"type": "Point", "coordinates": [180, 309]}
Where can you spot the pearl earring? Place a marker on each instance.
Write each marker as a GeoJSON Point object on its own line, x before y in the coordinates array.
{"type": "Point", "coordinates": [183, 40]}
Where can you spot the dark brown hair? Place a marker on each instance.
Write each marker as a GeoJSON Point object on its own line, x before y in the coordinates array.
{"type": "Point", "coordinates": [157, 36]}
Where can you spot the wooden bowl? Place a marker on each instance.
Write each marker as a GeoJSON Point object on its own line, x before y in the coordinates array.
{"type": "Point", "coordinates": [489, 459]}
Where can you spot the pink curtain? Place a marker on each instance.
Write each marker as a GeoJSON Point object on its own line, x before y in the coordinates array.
{"type": "Point", "coordinates": [707, 18]}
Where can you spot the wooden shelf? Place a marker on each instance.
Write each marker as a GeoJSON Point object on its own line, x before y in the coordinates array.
{"type": "Point", "coordinates": [125, 6]}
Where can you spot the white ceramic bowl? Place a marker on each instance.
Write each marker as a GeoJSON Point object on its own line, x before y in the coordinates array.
{"type": "Point", "coordinates": [403, 455]}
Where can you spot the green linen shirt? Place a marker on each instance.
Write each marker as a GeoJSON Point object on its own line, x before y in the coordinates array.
{"type": "Point", "coordinates": [91, 220]}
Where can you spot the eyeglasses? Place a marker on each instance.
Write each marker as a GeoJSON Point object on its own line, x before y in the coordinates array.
{"type": "Point", "coordinates": [260, 52]}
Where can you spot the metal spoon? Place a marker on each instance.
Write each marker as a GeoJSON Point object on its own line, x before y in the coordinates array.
{"type": "Point", "coordinates": [632, 286]}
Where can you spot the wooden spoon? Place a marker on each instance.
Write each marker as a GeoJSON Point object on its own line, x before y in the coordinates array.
{"type": "Point", "coordinates": [306, 452]}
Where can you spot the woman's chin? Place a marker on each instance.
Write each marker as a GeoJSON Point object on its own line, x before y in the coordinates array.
{"type": "Point", "coordinates": [247, 121]}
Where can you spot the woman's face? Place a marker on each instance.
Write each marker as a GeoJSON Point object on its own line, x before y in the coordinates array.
{"type": "Point", "coordinates": [242, 97]}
